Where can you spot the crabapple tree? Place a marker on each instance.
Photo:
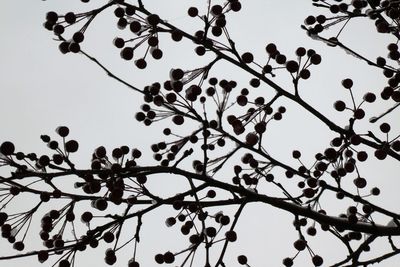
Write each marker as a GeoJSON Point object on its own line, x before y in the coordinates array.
{"type": "Point", "coordinates": [216, 143]}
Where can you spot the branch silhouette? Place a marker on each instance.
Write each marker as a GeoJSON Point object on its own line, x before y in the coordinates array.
{"type": "Point", "coordinates": [222, 157]}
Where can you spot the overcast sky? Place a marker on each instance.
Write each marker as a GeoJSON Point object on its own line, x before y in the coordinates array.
{"type": "Point", "coordinates": [41, 89]}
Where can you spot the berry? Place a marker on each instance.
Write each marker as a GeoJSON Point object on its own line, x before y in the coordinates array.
{"type": "Point", "coordinates": [255, 82]}
{"type": "Point", "coordinates": [247, 57]}
{"type": "Point", "coordinates": [19, 246]}
{"type": "Point", "coordinates": [58, 29]}
{"type": "Point", "coordinates": [78, 37]}
{"type": "Point", "coordinates": [74, 47]}
{"type": "Point", "coordinates": [178, 119]}
{"type": "Point", "coordinates": [176, 35]}
{"type": "Point", "coordinates": [211, 193]}
{"type": "Point", "coordinates": [271, 48]}
{"type": "Point", "coordinates": [385, 127]}
{"type": "Point", "coordinates": [110, 259]}
{"type": "Point", "coordinates": [312, 231]}
{"type": "Point", "coordinates": [216, 10]}
{"type": "Point", "coordinates": [193, 12]}
{"type": "Point", "coordinates": [135, 26]}
{"type": "Point", "coordinates": [153, 19]}
{"type": "Point", "coordinates": [108, 237]}
{"type": "Point", "coordinates": [241, 100]}
{"type": "Point", "coordinates": [71, 146]}
{"type": "Point", "coordinates": [280, 59]}
{"type": "Point", "coordinates": [127, 53]}
{"type": "Point", "coordinates": [347, 83]}
{"type": "Point", "coordinates": [300, 244]}
{"type": "Point", "coordinates": [86, 217]}
{"type": "Point", "coordinates": [310, 20]}
{"type": "Point", "coordinates": [156, 53]}
{"type": "Point", "coordinates": [141, 63]}
{"type": "Point", "coordinates": [301, 51]}
{"type": "Point", "coordinates": [45, 138]}
{"type": "Point", "coordinates": [42, 256]}
{"type": "Point", "coordinates": [159, 258]}
{"type": "Point", "coordinates": [118, 42]}
{"type": "Point", "coordinates": [288, 262]}
{"type": "Point", "coordinates": [396, 145]}
{"type": "Point", "coordinates": [317, 260]}
{"type": "Point", "coordinates": [375, 191]}
{"type": "Point", "coordinates": [369, 97]}
{"type": "Point", "coordinates": [362, 156]}
{"type": "Point", "coordinates": [176, 74]}
{"type": "Point", "coordinates": [380, 61]}
{"type": "Point", "coordinates": [44, 161]}
{"type": "Point", "coordinates": [64, 47]}
{"type": "Point", "coordinates": [380, 154]}
{"type": "Point", "coordinates": [292, 66]}
{"type": "Point", "coordinates": [360, 182]}
{"type": "Point", "coordinates": [119, 12]}
{"type": "Point", "coordinates": [130, 10]}
{"type": "Point", "coordinates": [52, 16]}
{"type": "Point", "coordinates": [260, 127]}
{"type": "Point", "coordinates": [242, 259]}
{"type": "Point", "coordinates": [315, 59]}
{"type": "Point", "coordinates": [133, 263]}
{"type": "Point", "coordinates": [359, 114]}
{"type": "Point", "coordinates": [235, 6]}
{"type": "Point", "coordinates": [70, 18]}
{"type": "Point", "coordinates": [251, 139]}
{"type": "Point", "coordinates": [169, 257]}
{"type": "Point", "coordinates": [231, 236]}
{"type": "Point", "coordinates": [305, 74]}
{"type": "Point", "coordinates": [101, 204]}
{"type": "Point", "coordinates": [296, 154]}
{"type": "Point", "coordinates": [7, 148]}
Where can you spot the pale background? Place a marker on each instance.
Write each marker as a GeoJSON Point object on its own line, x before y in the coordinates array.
{"type": "Point", "coordinates": [41, 89]}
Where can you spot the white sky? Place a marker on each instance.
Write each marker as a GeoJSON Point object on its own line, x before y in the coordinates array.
{"type": "Point", "coordinates": [41, 89]}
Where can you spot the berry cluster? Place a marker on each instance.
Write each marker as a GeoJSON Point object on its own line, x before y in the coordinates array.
{"type": "Point", "coordinates": [219, 113]}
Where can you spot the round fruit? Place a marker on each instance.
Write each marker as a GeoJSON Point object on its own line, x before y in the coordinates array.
{"type": "Point", "coordinates": [7, 148]}
{"type": "Point", "coordinates": [242, 259]}
{"type": "Point", "coordinates": [317, 260]}
{"type": "Point", "coordinates": [71, 146]}
{"type": "Point", "coordinates": [251, 139]}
